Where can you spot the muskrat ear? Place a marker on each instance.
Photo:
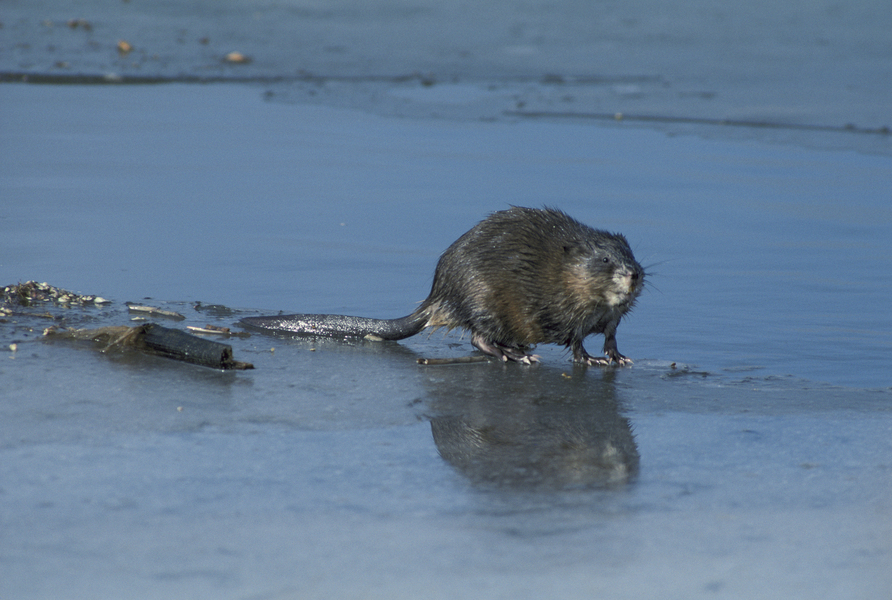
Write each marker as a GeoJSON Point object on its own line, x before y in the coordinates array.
{"type": "Point", "coordinates": [573, 254]}
{"type": "Point", "coordinates": [574, 251]}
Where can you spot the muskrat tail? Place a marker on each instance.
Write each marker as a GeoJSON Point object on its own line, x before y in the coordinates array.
{"type": "Point", "coordinates": [341, 325]}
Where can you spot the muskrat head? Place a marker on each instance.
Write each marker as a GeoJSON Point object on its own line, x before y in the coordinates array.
{"type": "Point", "coordinates": [604, 272]}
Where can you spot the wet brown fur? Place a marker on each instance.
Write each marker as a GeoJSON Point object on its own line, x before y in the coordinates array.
{"type": "Point", "coordinates": [526, 276]}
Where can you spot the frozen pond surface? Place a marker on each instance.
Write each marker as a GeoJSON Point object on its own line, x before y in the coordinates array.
{"type": "Point", "coordinates": [759, 465]}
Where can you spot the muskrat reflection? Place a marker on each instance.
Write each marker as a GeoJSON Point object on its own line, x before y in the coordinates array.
{"type": "Point", "coordinates": [535, 429]}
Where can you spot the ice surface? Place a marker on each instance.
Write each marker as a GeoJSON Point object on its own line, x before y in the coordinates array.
{"type": "Point", "coordinates": [746, 454]}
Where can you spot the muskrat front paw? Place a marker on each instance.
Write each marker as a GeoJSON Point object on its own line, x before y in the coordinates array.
{"type": "Point", "coordinates": [603, 361]}
{"type": "Point", "coordinates": [615, 357]}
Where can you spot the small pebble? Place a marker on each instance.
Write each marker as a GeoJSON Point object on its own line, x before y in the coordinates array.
{"type": "Point", "coordinates": [237, 58]}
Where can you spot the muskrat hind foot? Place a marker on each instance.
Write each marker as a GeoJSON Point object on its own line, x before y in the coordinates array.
{"type": "Point", "coordinates": [503, 352]}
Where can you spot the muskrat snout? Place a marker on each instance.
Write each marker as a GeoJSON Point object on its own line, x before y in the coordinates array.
{"type": "Point", "coordinates": [626, 286]}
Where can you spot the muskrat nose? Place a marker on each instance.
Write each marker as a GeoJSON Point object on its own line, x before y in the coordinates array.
{"type": "Point", "coordinates": [635, 276]}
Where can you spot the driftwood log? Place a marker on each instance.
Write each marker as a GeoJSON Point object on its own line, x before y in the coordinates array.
{"type": "Point", "coordinates": [151, 338]}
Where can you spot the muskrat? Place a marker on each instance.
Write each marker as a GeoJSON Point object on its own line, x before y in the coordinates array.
{"type": "Point", "coordinates": [520, 277]}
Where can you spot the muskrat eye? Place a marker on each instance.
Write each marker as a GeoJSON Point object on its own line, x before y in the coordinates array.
{"type": "Point", "coordinates": [605, 260]}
